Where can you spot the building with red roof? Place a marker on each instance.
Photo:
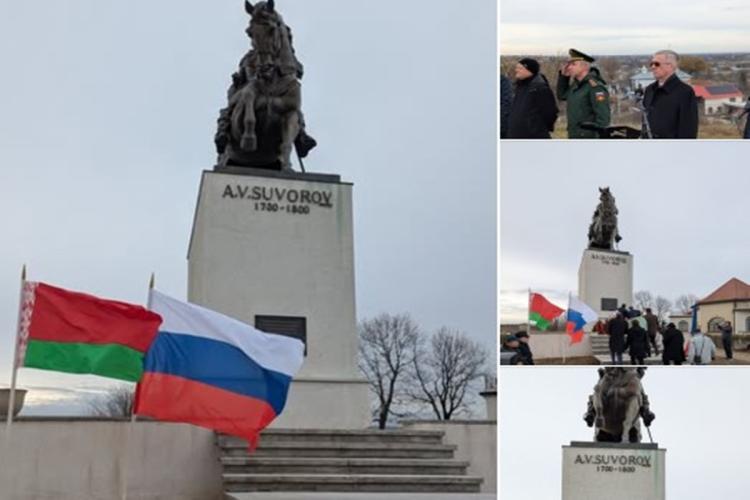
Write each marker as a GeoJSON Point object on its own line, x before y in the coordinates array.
{"type": "Point", "coordinates": [716, 98]}
{"type": "Point", "coordinates": [729, 302]}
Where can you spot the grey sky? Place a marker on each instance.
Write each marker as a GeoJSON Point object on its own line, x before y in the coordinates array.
{"type": "Point", "coordinates": [698, 420]}
{"type": "Point", "coordinates": [633, 27]}
{"type": "Point", "coordinates": [683, 209]}
{"type": "Point", "coordinates": [108, 116]}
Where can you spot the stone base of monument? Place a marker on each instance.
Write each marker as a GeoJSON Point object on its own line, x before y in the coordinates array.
{"type": "Point", "coordinates": [615, 471]}
{"type": "Point", "coordinates": [318, 460]}
{"type": "Point", "coordinates": [605, 280]}
{"type": "Point", "coordinates": [275, 250]}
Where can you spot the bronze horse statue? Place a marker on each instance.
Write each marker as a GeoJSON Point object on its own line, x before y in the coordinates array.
{"type": "Point", "coordinates": [618, 404]}
{"type": "Point", "coordinates": [603, 232]}
{"type": "Point", "coordinates": [263, 120]}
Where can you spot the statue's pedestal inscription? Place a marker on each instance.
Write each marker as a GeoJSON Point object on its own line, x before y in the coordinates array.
{"type": "Point", "coordinates": [595, 471]}
{"type": "Point", "coordinates": [605, 280]}
{"type": "Point", "coordinates": [275, 250]}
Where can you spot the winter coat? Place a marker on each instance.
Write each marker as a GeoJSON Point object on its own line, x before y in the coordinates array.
{"type": "Point", "coordinates": [617, 328]}
{"type": "Point", "coordinates": [534, 110]}
{"type": "Point", "coordinates": [674, 345]}
{"type": "Point", "coordinates": [672, 110]}
{"type": "Point", "coordinates": [746, 135]}
{"type": "Point", "coordinates": [588, 102]}
{"type": "Point", "coordinates": [637, 342]}
{"type": "Point", "coordinates": [525, 351]}
{"type": "Point", "coordinates": [653, 324]}
{"type": "Point", "coordinates": [506, 101]}
{"type": "Point", "coordinates": [703, 346]}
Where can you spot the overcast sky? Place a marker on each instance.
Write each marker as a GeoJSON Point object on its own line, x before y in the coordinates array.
{"type": "Point", "coordinates": [682, 214]}
{"type": "Point", "coordinates": [108, 116]}
{"type": "Point", "coordinates": [551, 27]}
{"type": "Point", "coordinates": [699, 418]}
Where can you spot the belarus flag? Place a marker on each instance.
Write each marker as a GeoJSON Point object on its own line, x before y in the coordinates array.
{"type": "Point", "coordinates": [210, 370]}
{"type": "Point", "coordinates": [578, 315]}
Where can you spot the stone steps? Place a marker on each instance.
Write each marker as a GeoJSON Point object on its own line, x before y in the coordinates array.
{"type": "Point", "coordinates": [358, 466]}
{"type": "Point", "coordinates": [342, 436]}
{"type": "Point", "coordinates": [351, 483]}
{"type": "Point", "coordinates": [366, 461]}
{"type": "Point", "coordinates": [326, 449]}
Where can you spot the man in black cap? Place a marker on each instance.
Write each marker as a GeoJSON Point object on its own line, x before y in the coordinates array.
{"type": "Point", "coordinates": [586, 94]}
{"type": "Point", "coordinates": [669, 104]}
{"type": "Point", "coordinates": [527, 358]}
{"type": "Point", "coordinates": [534, 111]}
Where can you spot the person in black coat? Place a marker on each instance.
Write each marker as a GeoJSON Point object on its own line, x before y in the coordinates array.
{"type": "Point", "coordinates": [524, 349]}
{"type": "Point", "coordinates": [506, 101]}
{"type": "Point", "coordinates": [746, 135]}
{"type": "Point", "coordinates": [674, 345]}
{"type": "Point", "coordinates": [637, 342]}
{"type": "Point", "coordinates": [670, 105]}
{"type": "Point", "coordinates": [534, 110]}
{"type": "Point", "coordinates": [618, 329]}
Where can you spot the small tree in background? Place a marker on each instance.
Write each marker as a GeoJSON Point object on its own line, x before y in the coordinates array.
{"type": "Point", "coordinates": [386, 353]}
{"type": "Point", "coordinates": [116, 403]}
{"type": "Point", "coordinates": [445, 369]}
{"type": "Point", "coordinates": [685, 303]}
{"type": "Point", "coordinates": [662, 307]}
{"type": "Point", "coordinates": [643, 300]}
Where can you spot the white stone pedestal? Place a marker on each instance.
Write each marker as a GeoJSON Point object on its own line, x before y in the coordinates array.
{"type": "Point", "coordinates": [605, 280]}
{"type": "Point", "coordinates": [613, 471]}
{"type": "Point", "coordinates": [280, 245]}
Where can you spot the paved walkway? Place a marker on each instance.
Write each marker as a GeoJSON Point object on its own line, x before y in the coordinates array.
{"type": "Point", "coordinates": [360, 496]}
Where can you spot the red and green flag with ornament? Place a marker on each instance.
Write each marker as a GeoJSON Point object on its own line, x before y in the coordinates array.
{"type": "Point", "coordinates": [74, 332]}
{"type": "Point", "coordinates": [541, 311]}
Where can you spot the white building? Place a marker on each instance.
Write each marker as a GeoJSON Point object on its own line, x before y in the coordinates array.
{"type": "Point", "coordinates": [644, 78]}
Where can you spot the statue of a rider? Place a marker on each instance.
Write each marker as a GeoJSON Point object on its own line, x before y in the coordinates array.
{"type": "Point", "coordinates": [603, 231]}
{"type": "Point", "coordinates": [263, 120]}
{"type": "Point", "coordinates": [618, 404]}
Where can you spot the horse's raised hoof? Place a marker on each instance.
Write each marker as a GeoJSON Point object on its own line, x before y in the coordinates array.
{"type": "Point", "coordinates": [249, 142]}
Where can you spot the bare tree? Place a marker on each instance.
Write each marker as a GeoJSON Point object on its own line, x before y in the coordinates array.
{"type": "Point", "coordinates": [685, 303]}
{"type": "Point", "coordinates": [445, 369]}
{"type": "Point", "coordinates": [387, 345]}
{"type": "Point", "coordinates": [117, 402]}
{"type": "Point", "coordinates": [662, 307]}
{"type": "Point", "coordinates": [643, 300]}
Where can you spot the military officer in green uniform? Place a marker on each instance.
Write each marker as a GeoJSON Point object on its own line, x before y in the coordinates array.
{"type": "Point", "coordinates": [586, 92]}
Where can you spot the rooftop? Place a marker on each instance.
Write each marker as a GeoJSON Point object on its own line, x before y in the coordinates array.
{"type": "Point", "coordinates": [732, 290]}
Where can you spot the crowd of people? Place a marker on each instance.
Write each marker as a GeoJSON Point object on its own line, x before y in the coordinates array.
{"type": "Point", "coordinates": [528, 109]}
{"type": "Point", "coordinates": [637, 333]}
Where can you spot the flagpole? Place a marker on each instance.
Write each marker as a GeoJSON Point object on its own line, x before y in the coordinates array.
{"type": "Point", "coordinates": [131, 425]}
{"type": "Point", "coordinates": [565, 340]}
{"type": "Point", "coordinates": [528, 313]}
{"type": "Point", "coordinates": [14, 376]}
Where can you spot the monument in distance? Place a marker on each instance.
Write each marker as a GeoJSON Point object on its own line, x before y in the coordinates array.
{"type": "Point", "coordinates": [605, 276]}
{"type": "Point", "coordinates": [616, 465]}
{"type": "Point", "coordinates": [274, 247]}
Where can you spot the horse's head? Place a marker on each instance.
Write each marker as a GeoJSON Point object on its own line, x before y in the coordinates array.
{"type": "Point", "coordinates": [605, 195]}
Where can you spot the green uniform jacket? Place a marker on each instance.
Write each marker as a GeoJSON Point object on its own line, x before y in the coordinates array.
{"type": "Point", "coordinates": [588, 101]}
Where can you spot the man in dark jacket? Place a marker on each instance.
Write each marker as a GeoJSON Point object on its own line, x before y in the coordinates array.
{"type": "Point", "coordinates": [523, 348]}
{"type": "Point", "coordinates": [746, 135]}
{"type": "Point", "coordinates": [652, 325]}
{"type": "Point", "coordinates": [506, 101]}
{"type": "Point", "coordinates": [534, 111]}
{"type": "Point", "coordinates": [637, 343]}
{"type": "Point", "coordinates": [670, 105]}
{"type": "Point", "coordinates": [674, 345]}
{"type": "Point", "coordinates": [617, 329]}
{"type": "Point", "coordinates": [726, 338]}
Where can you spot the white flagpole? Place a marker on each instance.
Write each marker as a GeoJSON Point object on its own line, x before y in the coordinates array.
{"type": "Point", "coordinates": [131, 425]}
{"type": "Point", "coordinates": [528, 313]}
{"type": "Point", "coordinates": [14, 376]}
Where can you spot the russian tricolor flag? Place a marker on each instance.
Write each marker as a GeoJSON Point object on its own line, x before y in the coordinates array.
{"type": "Point", "coordinates": [211, 370]}
{"type": "Point", "coordinates": [578, 315]}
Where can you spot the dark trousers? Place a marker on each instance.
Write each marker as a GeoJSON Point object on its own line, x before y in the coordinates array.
{"type": "Point", "coordinates": [616, 357]}
{"type": "Point", "coordinates": [726, 341]}
{"type": "Point", "coordinates": [636, 361]}
{"type": "Point", "coordinates": [668, 362]}
{"type": "Point", "coordinates": [652, 339]}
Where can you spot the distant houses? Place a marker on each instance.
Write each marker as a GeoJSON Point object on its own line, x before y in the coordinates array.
{"type": "Point", "coordinates": [644, 78]}
{"type": "Point", "coordinates": [719, 98]}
